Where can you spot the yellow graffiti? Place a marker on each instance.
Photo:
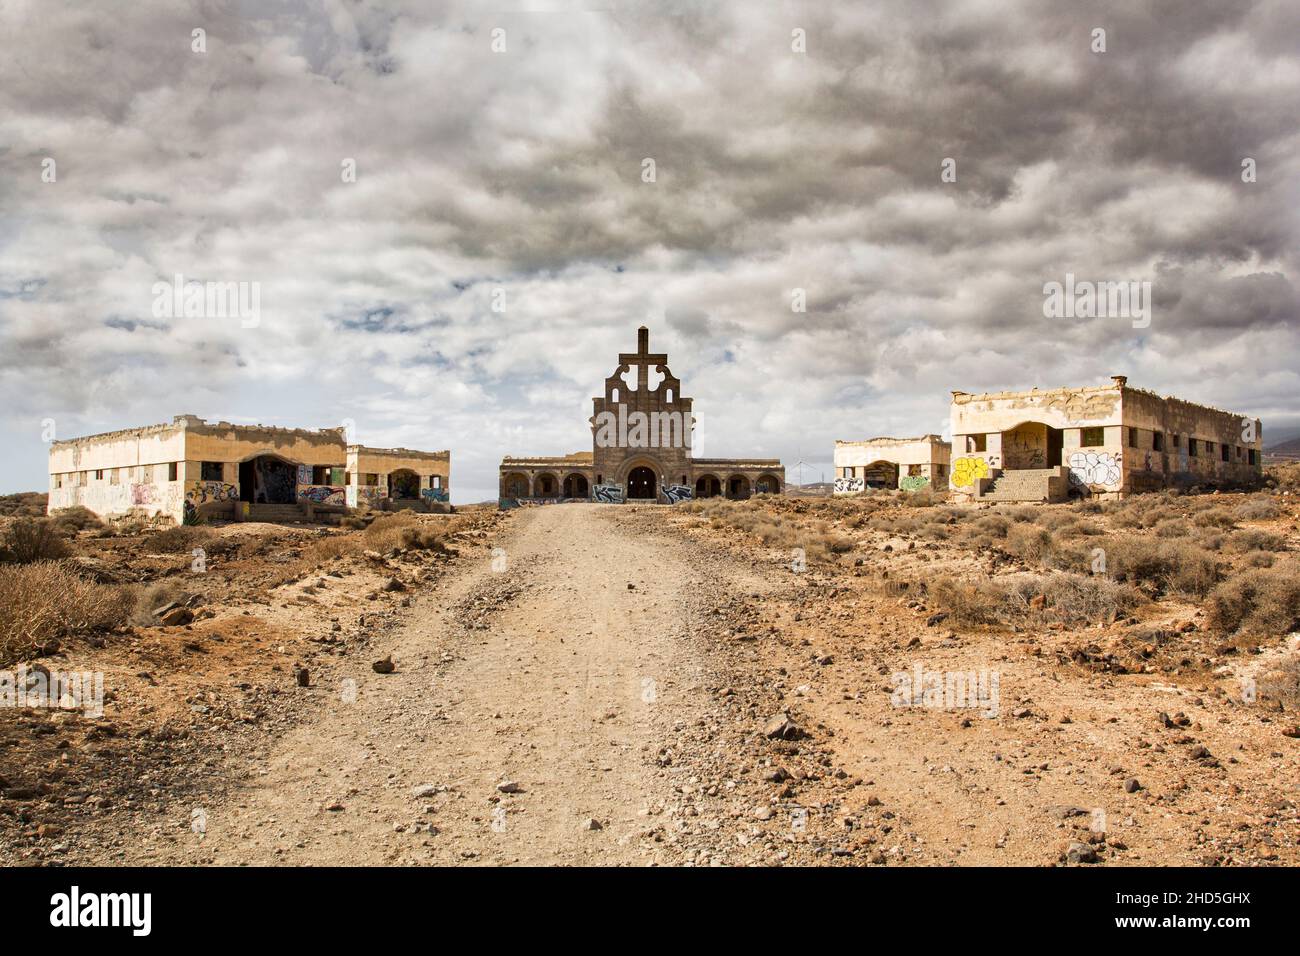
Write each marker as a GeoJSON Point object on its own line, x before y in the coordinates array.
{"type": "Point", "coordinates": [966, 471]}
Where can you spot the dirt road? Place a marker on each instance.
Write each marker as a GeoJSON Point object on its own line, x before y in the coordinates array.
{"type": "Point", "coordinates": [555, 665]}
{"type": "Point", "coordinates": [595, 686]}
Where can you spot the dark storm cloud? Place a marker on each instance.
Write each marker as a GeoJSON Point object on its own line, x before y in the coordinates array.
{"type": "Point", "coordinates": [516, 177]}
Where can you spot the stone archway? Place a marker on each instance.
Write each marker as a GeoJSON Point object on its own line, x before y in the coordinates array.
{"type": "Point", "coordinates": [738, 487]}
{"type": "Point", "coordinates": [767, 485]}
{"type": "Point", "coordinates": [546, 485]}
{"type": "Point", "coordinates": [642, 484]}
{"type": "Point", "coordinates": [575, 486]}
{"type": "Point", "coordinates": [404, 485]}
{"type": "Point", "coordinates": [515, 485]}
{"type": "Point", "coordinates": [707, 486]}
{"type": "Point", "coordinates": [881, 474]}
{"type": "Point", "coordinates": [268, 480]}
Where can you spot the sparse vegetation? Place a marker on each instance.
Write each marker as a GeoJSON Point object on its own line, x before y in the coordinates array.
{"type": "Point", "coordinates": [44, 601]}
{"type": "Point", "coordinates": [26, 540]}
{"type": "Point", "coordinates": [1257, 603]}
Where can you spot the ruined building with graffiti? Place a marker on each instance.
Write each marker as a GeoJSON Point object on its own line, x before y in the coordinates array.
{"type": "Point", "coordinates": [909, 464]}
{"type": "Point", "coordinates": [642, 428]}
{"type": "Point", "coordinates": [190, 467]}
{"type": "Point", "coordinates": [1105, 441]}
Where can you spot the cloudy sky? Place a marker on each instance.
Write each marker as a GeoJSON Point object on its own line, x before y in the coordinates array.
{"type": "Point", "coordinates": [522, 170]}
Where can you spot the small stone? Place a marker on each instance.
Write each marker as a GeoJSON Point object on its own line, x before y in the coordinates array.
{"type": "Point", "coordinates": [1131, 785]}
{"type": "Point", "coordinates": [424, 790]}
{"type": "Point", "coordinates": [392, 584]}
{"type": "Point", "coordinates": [591, 823]}
{"type": "Point", "coordinates": [304, 677]}
{"type": "Point", "coordinates": [1081, 853]}
{"type": "Point", "coordinates": [509, 786]}
{"type": "Point", "coordinates": [763, 813]}
{"type": "Point", "coordinates": [386, 666]}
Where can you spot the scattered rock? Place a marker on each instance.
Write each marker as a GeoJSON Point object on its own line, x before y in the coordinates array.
{"type": "Point", "coordinates": [1081, 853]}
{"type": "Point", "coordinates": [509, 786]}
{"type": "Point", "coordinates": [781, 727]}
{"type": "Point", "coordinates": [386, 666]}
{"type": "Point", "coordinates": [591, 823]}
{"type": "Point", "coordinates": [1131, 785]}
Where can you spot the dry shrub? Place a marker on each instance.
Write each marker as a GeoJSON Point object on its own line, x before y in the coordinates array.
{"type": "Point", "coordinates": [180, 538]}
{"type": "Point", "coordinates": [1030, 543]}
{"type": "Point", "coordinates": [45, 601]}
{"type": "Point", "coordinates": [1285, 476]}
{"type": "Point", "coordinates": [1171, 528]}
{"type": "Point", "coordinates": [1258, 508]}
{"type": "Point", "coordinates": [1282, 682]}
{"type": "Point", "coordinates": [31, 539]}
{"type": "Point", "coordinates": [406, 529]}
{"type": "Point", "coordinates": [144, 599]}
{"type": "Point", "coordinates": [1162, 566]}
{"type": "Point", "coordinates": [1260, 559]}
{"type": "Point", "coordinates": [25, 504]}
{"type": "Point", "coordinates": [1067, 597]}
{"type": "Point", "coordinates": [1259, 602]}
{"type": "Point", "coordinates": [1255, 539]}
{"type": "Point", "coordinates": [71, 520]}
{"type": "Point", "coordinates": [1214, 518]}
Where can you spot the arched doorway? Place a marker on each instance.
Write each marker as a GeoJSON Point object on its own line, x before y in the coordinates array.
{"type": "Point", "coordinates": [546, 486]}
{"type": "Point", "coordinates": [641, 483]}
{"type": "Point", "coordinates": [881, 474]}
{"type": "Point", "coordinates": [707, 486]}
{"type": "Point", "coordinates": [516, 485]}
{"type": "Point", "coordinates": [268, 480]}
{"type": "Point", "coordinates": [575, 486]}
{"type": "Point", "coordinates": [767, 485]}
{"type": "Point", "coordinates": [737, 487]}
{"type": "Point", "coordinates": [404, 485]}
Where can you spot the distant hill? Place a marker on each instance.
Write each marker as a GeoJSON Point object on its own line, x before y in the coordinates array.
{"type": "Point", "coordinates": [1285, 449]}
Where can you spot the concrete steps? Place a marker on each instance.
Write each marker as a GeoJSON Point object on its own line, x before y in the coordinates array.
{"type": "Point", "coordinates": [1030, 485]}
{"type": "Point", "coordinates": [277, 514]}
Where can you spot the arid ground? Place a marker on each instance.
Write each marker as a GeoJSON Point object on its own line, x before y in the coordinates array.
{"type": "Point", "coordinates": [711, 684]}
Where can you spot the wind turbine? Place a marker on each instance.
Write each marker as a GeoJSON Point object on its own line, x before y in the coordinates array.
{"type": "Point", "coordinates": [799, 464]}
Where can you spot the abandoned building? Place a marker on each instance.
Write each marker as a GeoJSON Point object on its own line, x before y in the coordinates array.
{"type": "Point", "coordinates": [241, 472]}
{"type": "Point", "coordinates": [1106, 441]}
{"type": "Point", "coordinates": [906, 463]}
{"type": "Point", "coordinates": [641, 448]}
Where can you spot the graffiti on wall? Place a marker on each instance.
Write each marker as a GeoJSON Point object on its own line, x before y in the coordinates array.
{"type": "Point", "coordinates": [609, 494]}
{"type": "Point", "coordinates": [304, 474]}
{"type": "Point", "coordinates": [434, 494]}
{"type": "Point", "coordinates": [206, 492]}
{"type": "Point", "coordinates": [967, 471]}
{"type": "Point", "coordinates": [1089, 468]}
{"type": "Point", "coordinates": [323, 494]}
{"type": "Point", "coordinates": [913, 482]}
{"type": "Point", "coordinates": [676, 493]}
{"type": "Point", "coordinates": [142, 494]}
{"type": "Point", "coordinates": [366, 496]}
{"type": "Point", "coordinates": [845, 486]}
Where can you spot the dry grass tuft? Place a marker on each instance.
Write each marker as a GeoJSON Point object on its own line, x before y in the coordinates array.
{"type": "Point", "coordinates": [44, 601]}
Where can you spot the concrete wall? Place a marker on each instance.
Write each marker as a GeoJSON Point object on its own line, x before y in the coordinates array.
{"type": "Point", "coordinates": [432, 468]}
{"type": "Point", "coordinates": [921, 462]}
{"type": "Point", "coordinates": [137, 464]}
{"type": "Point", "coordinates": [122, 472]}
{"type": "Point", "coordinates": [1108, 437]}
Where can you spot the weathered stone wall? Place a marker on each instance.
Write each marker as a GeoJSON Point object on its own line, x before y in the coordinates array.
{"type": "Point", "coordinates": [921, 462]}
{"type": "Point", "coordinates": [1113, 439]}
